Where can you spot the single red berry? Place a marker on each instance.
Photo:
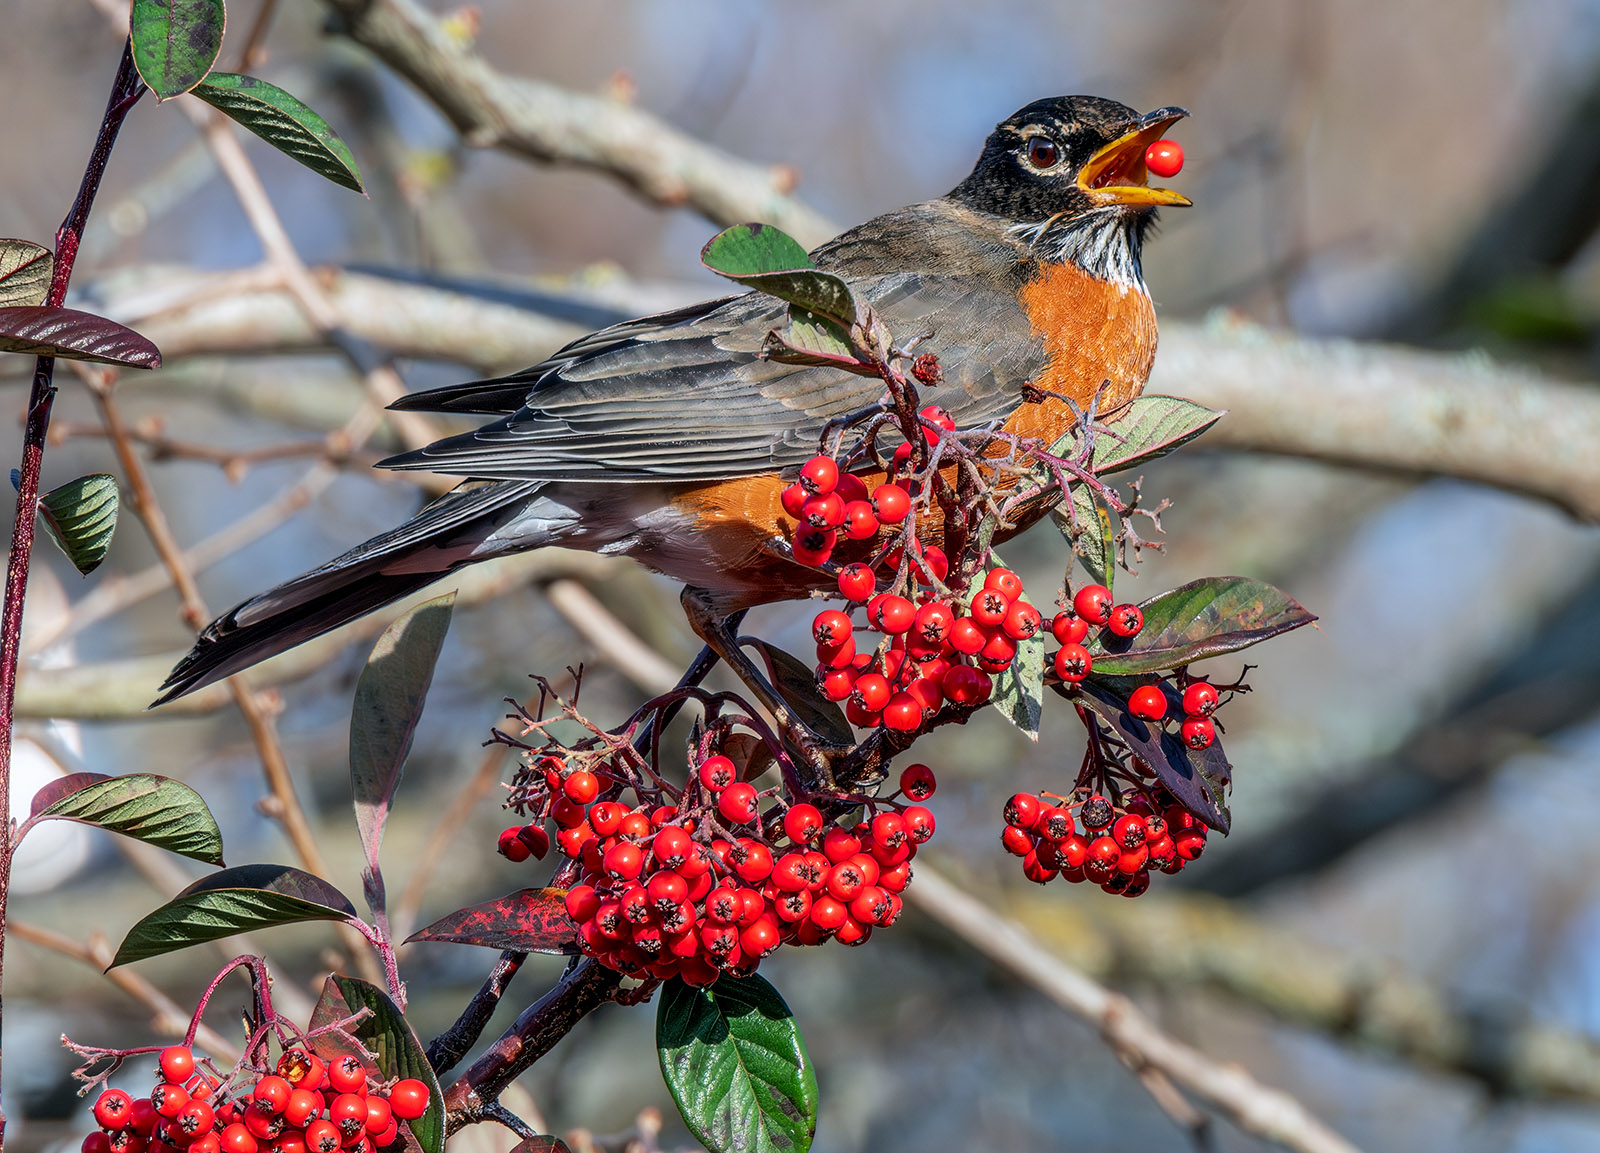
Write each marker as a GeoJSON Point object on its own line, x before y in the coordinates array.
{"type": "Point", "coordinates": [755, 866]}
{"type": "Point", "coordinates": [1126, 621]}
{"type": "Point", "coordinates": [270, 1095]}
{"type": "Point", "coordinates": [903, 713]}
{"type": "Point", "coordinates": [235, 1138]}
{"type": "Point", "coordinates": [206, 1143]}
{"type": "Point", "coordinates": [933, 622]}
{"type": "Point", "coordinates": [606, 817]}
{"type": "Point", "coordinates": [920, 824]}
{"type": "Point", "coordinates": [1022, 811]}
{"type": "Point", "coordinates": [535, 839]}
{"type": "Point", "coordinates": [347, 1075]}
{"type": "Point", "coordinates": [836, 683]}
{"type": "Point", "coordinates": [794, 499]}
{"type": "Point", "coordinates": [966, 685]}
{"type": "Point", "coordinates": [304, 1106]}
{"type": "Point", "coordinates": [380, 1115]}
{"type": "Point", "coordinates": [348, 1111]}
{"type": "Point", "coordinates": [1164, 158]}
{"type": "Point", "coordinates": [1072, 851]}
{"type": "Point", "coordinates": [820, 475]}
{"type": "Point", "coordinates": [1199, 732]}
{"type": "Point", "coordinates": [1069, 629]}
{"type": "Point", "coordinates": [195, 1119]}
{"type": "Point", "coordinates": [966, 637]}
{"type": "Point", "coordinates": [871, 691]}
{"type": "Point", "coordinates": [860, 522]}
{"type": "Point", "coordinates": [856, 582]}
{"type": "Point", "coordinates": [937, 562]}
{"type": "Point", "coordinates": [623, 862]}
{"type": "Point", "coordinates": [1005, 582]}
{"type": "Point", "coordinates": [1096, 812]}
{"type": "Point", "coordinates": [566, 812]}
{"type": "Point", "coordinates": [759, 939]}
{"type": "Point", "coordinates": [96, 1142]}
{"type": "Point", "coordinates": [936, 415]}
{"type": "Point", "coordinates": [802, 823]}
{"type": "Point", "coordinates": [892, 503]}
{"type": "Point", "coordinates": [142, 1117]}
{"type": "Point", "coordinates": [409, 1099]}
{"type": "Point", "coordinates": [717, 773]}
{"type": "Point", "coordinates": [999, 651]}
{"type": "Point", "coordinates": [840, 845]}
{"type": "Point", "coordinates": [989, 607]}
{"type": "Point", "coordinates": [322, 1137]}
{"type": "Point", "coordinates": [1093, 604]}
{"type": "Point", "coordinates": [738, 803]}
{"type": "Point", "coordinates": [894, 615]}
{"type": "Point", "coordinates": [169, 1099]}
{"type": "Point", "coordinates": [1016, 841]}
{"type": "Point", "coordinates": [1200, 699]}
{"type": "Point", "coordinates": [113, 1107]}
{"type": "Point", "coordinates": [1148, 703]}
{"type": "Point", "coordinates": [581, 787]}
{"type": "Point", "coordinates": [888, 830]}
{"type": "Point", "coordinates": [1189, 843]}
{"type": "Point", "coordinates": [1054, 823]}
{"type": "Point", "coordinates": [177, 1064]}
{"type": "Point", "coordinates": [918, 782]}
{"type": "Point", "coordinates": [813, 546]}
{"type": "Point", "coordinates": [846, 879]}
{"type": "Point", "coordinates": [824, 512]}
{"type": "Point", "coordinates": [850, 487]}
{"type": "Point", "coordinates": [1129, 831]}
{"type": "Point", "coordinates": [263, 1126]}
{"type": "Point", "coordinates": [671, 846]}
{"type": "Point", "coordinates": [1073, 663]}
{"type": "Point", "coordinates": [831, 628]}
{"type": "Point", "coordinates": [1022, 621]}
{"type": "Point", "coordinates": [636, 825]}
{"type": "Point", "coordinates": [511, 847]}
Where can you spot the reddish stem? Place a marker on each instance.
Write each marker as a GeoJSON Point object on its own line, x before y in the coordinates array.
{"type": "Point", "coordinates": [125, 91]}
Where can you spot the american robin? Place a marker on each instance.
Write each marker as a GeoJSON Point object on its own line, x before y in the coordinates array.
{"type": "Point", "coordinates": [670, 438]}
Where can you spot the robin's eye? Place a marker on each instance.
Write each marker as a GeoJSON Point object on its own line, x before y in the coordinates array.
{"type": "Point", "coordinates": [1042, 152]}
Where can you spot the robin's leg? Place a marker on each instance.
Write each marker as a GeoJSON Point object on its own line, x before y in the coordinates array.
{"type": "Point", "coordinates": [718, 629]}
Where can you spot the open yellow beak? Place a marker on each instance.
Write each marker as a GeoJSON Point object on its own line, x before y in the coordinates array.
{"type": "Point", "coordinates": [1117, 173]}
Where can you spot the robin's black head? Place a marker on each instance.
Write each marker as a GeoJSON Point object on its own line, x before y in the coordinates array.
{"type": "Point", "coordinates": [1069, 172]}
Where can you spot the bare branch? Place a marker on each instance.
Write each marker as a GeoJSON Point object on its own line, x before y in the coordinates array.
{"type": "Point", "coordinates": [1255, 1108]}
{"type": "Point", "coordinates": [548, 124]}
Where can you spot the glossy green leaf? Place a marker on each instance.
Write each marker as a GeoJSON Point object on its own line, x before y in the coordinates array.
{"type": "Point", "coordinates": [383, 722]}
{"type": "Point", "coordinates": [736, 1065]}
{"type": "Point", "coordinates": [36, 330]}
{"type": "Point", "coordinates": [25, 270]}
{"type": "Point", "coordinates": [1019, 691]}
{"type": "Point", "coordinates": [1204, 618]}
{"type": "Point", "coordinates": [1094, 539]}
{"type": "Point", "coordinates": [81, 516]}
{"type": "Point", "coordinates": [156, 810]}
{"type": "Point", "coordinates": [796, 683]}
{"type": "Point", "coordinates": [1199, 779]}
{"type": "Point", "coordinates": [771, 261]}
{"type": "Point", "coordinates": [385, 1033]}
{"type": "Point", "coordinates": [283, 122]}
{"type": "Point", "coordinates": [175, 42]}
{"type": "Point", "coordinates": [1152, 427]}
{"type": "Point", "coordinates": [237, 900]}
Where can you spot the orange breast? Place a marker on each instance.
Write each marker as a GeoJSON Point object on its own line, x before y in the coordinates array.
{"type": "Point", "coordinates": [1094, 334]}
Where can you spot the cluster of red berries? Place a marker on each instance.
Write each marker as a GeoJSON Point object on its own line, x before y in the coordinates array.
{"type": "Point", "coordinates": [939, 649]}
{"type": "Point", "coordinates": [1090, 837]}
{"type": "Point", "coordinates": [826, 503]}
{"type": "Point", "coordinates": [305, 1107]}
{"type": "Point", "coordinates": [715, 885]}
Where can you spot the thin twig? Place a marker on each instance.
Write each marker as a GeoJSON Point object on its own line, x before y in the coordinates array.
{"type": "Point", "coordinates": [1255, 1108]}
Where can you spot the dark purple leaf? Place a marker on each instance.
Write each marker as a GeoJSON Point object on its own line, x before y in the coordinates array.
{"type": "Point", "coordinates": [797, 685]}
{"type": "Point", "coordinates": [543, 1143]}
{"type": "Point", "coordinates": [528, 921]}
{"type": "Point", "coordinates": [1204, 618]}
{"type": "Point", "coordinates": [1198, 779]}
{"type": "Point", "coordinates": [384, 1032]}
{"type": "Point", "coordinates": [74, 335]}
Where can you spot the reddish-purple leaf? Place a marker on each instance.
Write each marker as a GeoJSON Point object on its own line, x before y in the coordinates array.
{"type": "Point", "coordinates": [63, 787]}
{"type": "Point", "coordinates": [1199, 779]}
{"type": "Point", "coordinates": [528, 921]}
{"type": "Point", "coordinates": [543, 1143]}
{"type": "Point", "coordinates": [74, 335]}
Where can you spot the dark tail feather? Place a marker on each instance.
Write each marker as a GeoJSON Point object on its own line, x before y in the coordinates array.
{"type": "Point", "coordinates": [454, 530]}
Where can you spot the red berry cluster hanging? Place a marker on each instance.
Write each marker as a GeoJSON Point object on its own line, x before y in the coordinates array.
{"type": "Point", "coordinates": [306, 1106]}
{"type": "Point", "coordinates": [716, 882]}
{"type": "Point", "coordinates": [1088, 836]}
{"type": "Point", "coordinates": [927, 651]}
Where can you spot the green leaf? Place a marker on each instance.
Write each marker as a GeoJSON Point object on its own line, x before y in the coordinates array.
{"type": "Point", "coordinates": [796, 683]}
{"type": "Point", "coordinates": [735, 1063]}
{"type": "Point", "coordinates": [1152, 427]}
{"type": "Point", "coordinates": [175, 42]}
{"type": "Point", "coordinates": [389, 699]}
{"type": "Point", "coordinates": [156, 810]}
{"type": "Point", "coordinates": [283, 122]}
{"type": "Point", "coordinates": [1204, 618]}
{"type": "Point", "coordinates": [386, 1033]}
{"type": "Point", "coordinates": [811, 339]}
{"type": "Point", "coordinates": [1199, 779]}
{"type": "Point", "coordinates": [236, 900]}
{"type": "Point", "coordinates": [81, 516]}
{"type": "Point", "coordinates": [25, 271]}
{"type": "Point", "coordinates": [1019, 691]}
{"type": "Point", "coordinates": [770, 261]}
{"type": "Point", "coordinates": [1094, 541]}
{"type": "Point", "coordinates": [36, 330]}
